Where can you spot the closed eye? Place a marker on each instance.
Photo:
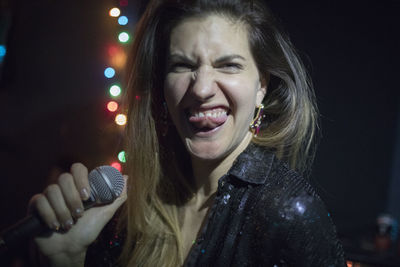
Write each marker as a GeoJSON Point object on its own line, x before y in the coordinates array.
{"type": "Point", "coordinates": [181, 67]}
{"type": "Point", "coordinates": [230, 67]}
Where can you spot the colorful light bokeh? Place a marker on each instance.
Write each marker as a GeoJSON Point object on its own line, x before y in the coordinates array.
{"type": "Point", "coordinates": [116, 165]}
{"type": "Point", "coordinates": [114, 12]}
{"type": "Point", "coordinates": [115, 90]}
{"type": "Point", "coordinates": [120, 119]}
{"type": "Point", "coordinates": [3, 52]}
{"type": "Point", "coordinates": [109, 72]}
{"type": "Point", "coordinates": [122, 20]}
{"type": "Point", "coordinates": [113, 50]}
{"type": "Point", "coordinates": [117, 57]}
{"type": "Point", "coordinates": [119, 60]}
{"type": "Point", "coordinates": [112, 106]}
{"type": "Point", "coordinates": [121, 156]}
{"type": "Point", "coordinates": [123, 2]}
{"type": "Point", "coordinates": [123, 37]}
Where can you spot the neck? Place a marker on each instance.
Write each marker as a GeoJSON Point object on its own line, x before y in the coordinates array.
{"type": "Point", "coordinates": [207, 172]}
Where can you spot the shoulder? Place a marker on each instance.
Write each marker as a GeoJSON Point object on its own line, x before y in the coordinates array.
{"type": "Point", "coordinates": [300, 222]}
{"type": "Point", "coordinates": [294, 197]}
{"type": "Point", "coordinates": [285, 191]}
{"type": "Point", "coordinates": [277, 188]}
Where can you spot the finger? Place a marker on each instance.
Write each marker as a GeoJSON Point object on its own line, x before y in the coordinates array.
{"type": "Point", "coordinates": [71, 194]}
{"type": "Point", "coordinates": [80, 174]}
{"type": "Point", "coordinates": [40, 204]}
{"type": "Point", "coordinates": [57, 202]}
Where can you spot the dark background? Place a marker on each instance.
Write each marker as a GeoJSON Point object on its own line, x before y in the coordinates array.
{"type": "Point", "coordinates": [53, 93]}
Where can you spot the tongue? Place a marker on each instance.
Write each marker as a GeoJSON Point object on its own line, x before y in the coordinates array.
{"type": "Point", "coordinates": [207, 122]}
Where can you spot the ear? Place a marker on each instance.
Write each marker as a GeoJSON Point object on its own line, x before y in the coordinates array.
{"type": "Point", "coordinates": [262, 91]}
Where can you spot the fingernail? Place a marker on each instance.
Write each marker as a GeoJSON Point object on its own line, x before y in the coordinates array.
{"type": "Point", "coordinates": [68, 224]}
{"type": "Point", "coordinates": [78, 212]}
{"type": "Point", "coordinates": [84, 193]}
{"type": "Point", "coordinates": [55, 226]}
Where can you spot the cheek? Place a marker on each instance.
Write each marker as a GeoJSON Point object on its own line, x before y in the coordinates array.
{"type": "Point", "coordinates": [242, 94]}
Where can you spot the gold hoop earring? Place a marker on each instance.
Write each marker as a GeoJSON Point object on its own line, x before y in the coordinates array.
{"type": "Point", "coordinates": [256, 123]}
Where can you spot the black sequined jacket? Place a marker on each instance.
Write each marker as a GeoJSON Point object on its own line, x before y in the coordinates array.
{"type": "Point", "coordinates": [264, 214]}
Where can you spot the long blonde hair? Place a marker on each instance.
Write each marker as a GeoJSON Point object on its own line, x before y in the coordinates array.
{"type": "Point", "coordinates": [159, 181]}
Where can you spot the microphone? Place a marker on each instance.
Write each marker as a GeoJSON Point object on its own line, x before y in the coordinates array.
{"type": "Point", "coordinates": [106, 184]}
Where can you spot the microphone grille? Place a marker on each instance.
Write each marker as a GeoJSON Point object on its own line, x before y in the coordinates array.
{"type": "Point", "coordinates": [106, 183]}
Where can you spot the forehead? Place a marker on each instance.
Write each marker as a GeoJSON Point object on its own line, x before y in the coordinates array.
{"type": "Point", "coordinates": [209, 35]}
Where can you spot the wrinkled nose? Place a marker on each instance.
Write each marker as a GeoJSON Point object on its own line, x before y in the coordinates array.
{"type": "Point", "coordinates": [203, 85]}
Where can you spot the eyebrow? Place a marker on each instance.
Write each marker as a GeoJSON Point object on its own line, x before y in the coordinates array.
{"type": "Point", "coordinates": [179, 57]}
{"type": "Point", "coordinates": [229, 58]}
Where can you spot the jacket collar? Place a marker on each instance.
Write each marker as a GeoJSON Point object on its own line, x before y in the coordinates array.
{"type": "Point", "coordinates": [253, 165]}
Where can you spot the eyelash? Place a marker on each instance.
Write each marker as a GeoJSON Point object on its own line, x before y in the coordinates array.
{"type": "Point", "coordinates": [185, 66]}
{"type": "Point", "coordinates": [232, 65]}
{"type": "Point", "coordinates": [181, 65]}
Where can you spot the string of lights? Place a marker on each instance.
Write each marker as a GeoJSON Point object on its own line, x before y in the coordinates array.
{"type": "Point", "coordinates": [117, 59]}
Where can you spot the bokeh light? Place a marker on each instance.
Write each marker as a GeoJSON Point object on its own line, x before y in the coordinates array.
{"type": "Point", "coordinates": [114, 12]}
{"type": "Point", "coordinates": [123, 37]}
{"type": "Point", "coordinates": [113, 50]}
{"type": "Point", "coordinates": [115, 90]}
{"type": "Point", "coordinates": [2, 50]}
{"type": "Point", "coordinates": [112, 106]}
{"type": "Point", "coordinates": [119, 60]}
{"type": "Point", "coordinates": [116, 165]}
{"type": "Point", "coordinates": [123, 20]}
{"type": "Point", "coordinates": [117, 56]}
{"type": "Point", "coordinates": [123, 2]}
{"type": "Point", "coordinates": [120, 119]}
{"type": "Point", "coordinates": [109, 72]}
{"type": "Point", "coordinates": [121, 156]}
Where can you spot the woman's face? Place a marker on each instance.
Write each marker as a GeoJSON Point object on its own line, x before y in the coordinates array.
{"type": "Point", "coordinates": [212, 85]}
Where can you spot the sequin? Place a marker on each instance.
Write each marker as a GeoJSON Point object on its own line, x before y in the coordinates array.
{"type": "Point", "coordinates": [300, 207]}
{"type": "Point", "coordinates": [226, 198]}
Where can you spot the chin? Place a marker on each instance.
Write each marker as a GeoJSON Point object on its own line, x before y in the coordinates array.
{"type": "Point", "coordinates": [208, 151]}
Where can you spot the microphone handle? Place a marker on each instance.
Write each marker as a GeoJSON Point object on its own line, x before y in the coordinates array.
{"type": "Point", "coordinates": [30, 226]}
{"type": "Point", "coordinates": [22, 230]}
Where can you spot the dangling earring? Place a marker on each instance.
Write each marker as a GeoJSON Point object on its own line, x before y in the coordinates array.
{"type": "Point", "coordinates": [164, 118]}
{"type": "Point", "coordinates": [256, 123]}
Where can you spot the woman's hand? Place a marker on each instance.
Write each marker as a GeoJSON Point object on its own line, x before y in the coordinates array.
{"type": "Point", "coordinates": [60, 207]}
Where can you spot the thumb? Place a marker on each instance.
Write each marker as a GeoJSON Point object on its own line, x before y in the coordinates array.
{"type": "Point", "coordinates": [97, 217]}
{"type": "Point", "coordinates": [112, 208]}
{"type": "Point", "coordinates": [107, 211]}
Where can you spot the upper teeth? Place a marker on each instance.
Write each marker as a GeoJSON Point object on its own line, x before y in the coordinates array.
{"type": "Point", "coordinates": [210, 114]}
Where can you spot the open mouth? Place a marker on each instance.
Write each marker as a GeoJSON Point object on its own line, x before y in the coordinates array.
{"type": "Point", "coordinates": [206, 120]}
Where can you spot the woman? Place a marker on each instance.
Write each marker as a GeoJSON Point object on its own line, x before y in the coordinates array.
{"type": "Point", "coordinates": [222, 124]}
